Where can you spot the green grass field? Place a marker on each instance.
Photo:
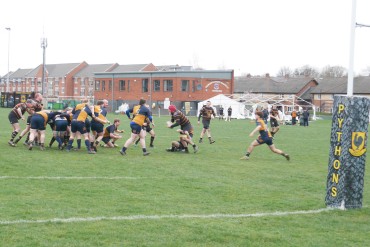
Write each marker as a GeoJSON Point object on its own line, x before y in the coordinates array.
{"type": "Point", "coordinates": [211, 198]}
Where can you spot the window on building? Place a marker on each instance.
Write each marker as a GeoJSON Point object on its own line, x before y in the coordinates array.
{"type": "Point", "coordinates": [168, 85]}
{"type": "Point", "coordinates": [184, 85]}
{"type": "Point", "coordinates": [122, 85]}
{"type": "Point", "coordinates": [110, 85]}
{"type": "Point", "coordinates": [157, 85]}
{"type": "Point", "coordinates": [145, 85]}
{"type": "Point", "coordinates": [97, 85]}
{"type": "Point", "coordinates": [75, 91]}
{"type": "Point", "coordinates": [82, 93]}
{"type": "Point", "coordinates": [103, 85]}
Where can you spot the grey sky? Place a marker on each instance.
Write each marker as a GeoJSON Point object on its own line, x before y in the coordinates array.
{"type": "Point", "coordinates": [248, 36]}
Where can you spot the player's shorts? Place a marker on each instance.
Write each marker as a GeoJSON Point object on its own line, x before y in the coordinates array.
{"type": "Point", "coordinates": [12, 118]}
{"type": "Point", "coordinates": [106, 139]}
{"type": "Point", "coordinates": [96, 126]}
{"type": "Point", "coordinates": [265, 140]}
{"type": "Point", "coordinates": [61, 125]}
{"type": "Point", "coordinates": [38, 122]}
{"type": "Point", "coordinates": [78, 126]}
{"type": "Point", "coordinates": [135, 128]}
{"type": "Point", "coordinates": [147, 128]}
{"type": "Point", "coordinates": [29, 120]}
{"type": "Point", "coordinates": [206, 123]}
{"type": "Point", "coordinates": [274, 123]}
{"type": "Point", "coordinates": [188, 128]}
{"type": "Point", "coordinates": [88, 125]}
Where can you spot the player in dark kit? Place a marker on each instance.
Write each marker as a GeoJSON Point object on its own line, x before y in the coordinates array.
{"type": "Point", "coordinates": [274, 121]}
{"type": "Point", "coordinates": [15, 114]}
{"type": "Point", "coordinates": [221, 113]}
{"type": "Point", "coordinates": [206, 113]}
{"type": "Point", "coordinates": [179, 119]}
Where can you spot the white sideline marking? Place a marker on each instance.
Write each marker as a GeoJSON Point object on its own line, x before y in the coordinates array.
{"type": "Point", "coordinates": [61, 178]}
{"type": "Point", "coordinates": [159, 217]}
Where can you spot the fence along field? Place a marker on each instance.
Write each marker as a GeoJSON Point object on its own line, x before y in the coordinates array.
{"type": "Point", "coordinates": [210, 198]}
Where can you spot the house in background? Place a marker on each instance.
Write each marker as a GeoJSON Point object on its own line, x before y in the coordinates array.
{"type": "Point", "coordinates": [323, 94]}
{"type": "Point", "coordinates": [319, 92]}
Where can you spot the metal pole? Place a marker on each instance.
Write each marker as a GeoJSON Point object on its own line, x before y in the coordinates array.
{"type": "Point", "coordinates": [7, 79]}
{"type": "Point", "coordinates": [351, 50]}
{"type": "Point", "coordinates": [112, 92]}
{"type": "Point", "coordinates": [44, 44]}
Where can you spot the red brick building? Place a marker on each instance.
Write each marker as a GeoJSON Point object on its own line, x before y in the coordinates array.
{"type": "Point", "coordinates": [178, 86]}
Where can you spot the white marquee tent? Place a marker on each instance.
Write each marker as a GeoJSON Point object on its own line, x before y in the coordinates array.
{"type": "Point", "coordinates": [226, 102]}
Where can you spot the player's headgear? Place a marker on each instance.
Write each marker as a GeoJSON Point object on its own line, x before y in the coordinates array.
{"type": "Point", "coordinates": [172, 108]}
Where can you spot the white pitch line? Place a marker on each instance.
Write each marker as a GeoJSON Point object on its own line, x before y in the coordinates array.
{"type": "Point", "coordinates": [159, 217]}
{"type": "Point", "coordinates": [68, 178]}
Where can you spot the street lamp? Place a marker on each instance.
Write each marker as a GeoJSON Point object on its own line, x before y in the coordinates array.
{"type": "Point", "coordinates": [44, 44]}
{"type": "Point", "coordinates": [7, 80]}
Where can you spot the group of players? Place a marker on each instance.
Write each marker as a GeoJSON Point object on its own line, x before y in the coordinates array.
{"type": "Point", "coordinates": [66, 125]}
{"type": "Point", "coordinates": [74, 123]}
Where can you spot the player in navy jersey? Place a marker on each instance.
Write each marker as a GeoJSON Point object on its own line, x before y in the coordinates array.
{"type": "Point", "coordinates": [141, 112]}
{"type": "Point", "coordinates": [263, 138]}
{"type": "Point", "coordinates": [110, 136]}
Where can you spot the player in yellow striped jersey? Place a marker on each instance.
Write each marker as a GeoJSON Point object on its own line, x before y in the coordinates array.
{"type": "Point", "coordinates": [263, 138]}
{"type": "Point", "coordinates": [141, 112]}
{"type": "Point", "coordinates": [97, 127]}
{"type": "Point", "coordinates": [79, 125]}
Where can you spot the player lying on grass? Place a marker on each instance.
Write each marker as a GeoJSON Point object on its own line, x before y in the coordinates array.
{"type": "Point", "coordinates": [182, 144]}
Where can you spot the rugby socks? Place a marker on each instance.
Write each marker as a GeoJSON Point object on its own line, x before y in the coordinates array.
{"type": "Point", "coordinates": [151, 140]}
{"type": "Point", "coordinates": [137, 141]}
{"type": "Point", "coordinates": [87, 143]}
{"type": "Point", "coordinates": [28, 137]}
{"type": "Point", "coordinates": [51, 141]}
{"type": "Point", "coordinates": [14, 134]}
{"type": "Point", "coordinates": [18, 139]}
{"type": "Point", "coordinates": [79, 143]}
{"type": "Point", "coordinates": [59, 141]}
{"type": "Point", "coordinates": [247, 154]}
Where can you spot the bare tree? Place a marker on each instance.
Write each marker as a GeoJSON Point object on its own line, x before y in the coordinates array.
{"type": "Point", "coordinates": [285, 72]}
{"type": "Point", "coordinates": [333, 71]}
{"type": "Point", "coordinates": [306, 71]}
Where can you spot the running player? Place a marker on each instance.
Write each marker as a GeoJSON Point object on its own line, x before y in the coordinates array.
{"type": "Point", "coordinates": [263, 138]}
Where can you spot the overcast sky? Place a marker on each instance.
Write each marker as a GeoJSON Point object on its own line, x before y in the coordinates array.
{"type": "Point", "coordinates": [249, 36]}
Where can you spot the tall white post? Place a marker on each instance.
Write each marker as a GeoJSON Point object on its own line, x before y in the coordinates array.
{"type": "Point", "coordinates": [351, 50]}
{"type": "Point", "coordinates": [7, 80]}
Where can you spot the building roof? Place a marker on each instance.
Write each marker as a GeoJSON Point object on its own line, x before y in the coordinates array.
{"type": "Point", "coordinates": [90, 69]}
{"type": "Point", "coordinates": [60, 70]}
{"type": "Point", "coordinates": [270, 84]}
{"type": "Point", "coordinates": [20, 74]}
{"type": "Point", "coordinates": [129, 68]}
{"type": "Point", "coordinates": [54, 70]}
{"type": "Point", "coordinates": [173, 67]}
{"type": "Point", "coordinates": [361, 85]}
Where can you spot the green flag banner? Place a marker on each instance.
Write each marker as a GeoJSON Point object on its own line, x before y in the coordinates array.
{"type": "Point", "coordinates": [347, 156]}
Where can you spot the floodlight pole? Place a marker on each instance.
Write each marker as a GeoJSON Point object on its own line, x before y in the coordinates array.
{"type": "Point", "coordinates": [44, 44]}
{"type": "Point", "coordinates": [7, 79]}
{"type": "Point", "coordinates": [351, 50]}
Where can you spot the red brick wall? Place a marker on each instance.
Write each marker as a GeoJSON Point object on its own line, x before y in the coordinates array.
{"type": "Point", "coordinates": [209, 87]}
